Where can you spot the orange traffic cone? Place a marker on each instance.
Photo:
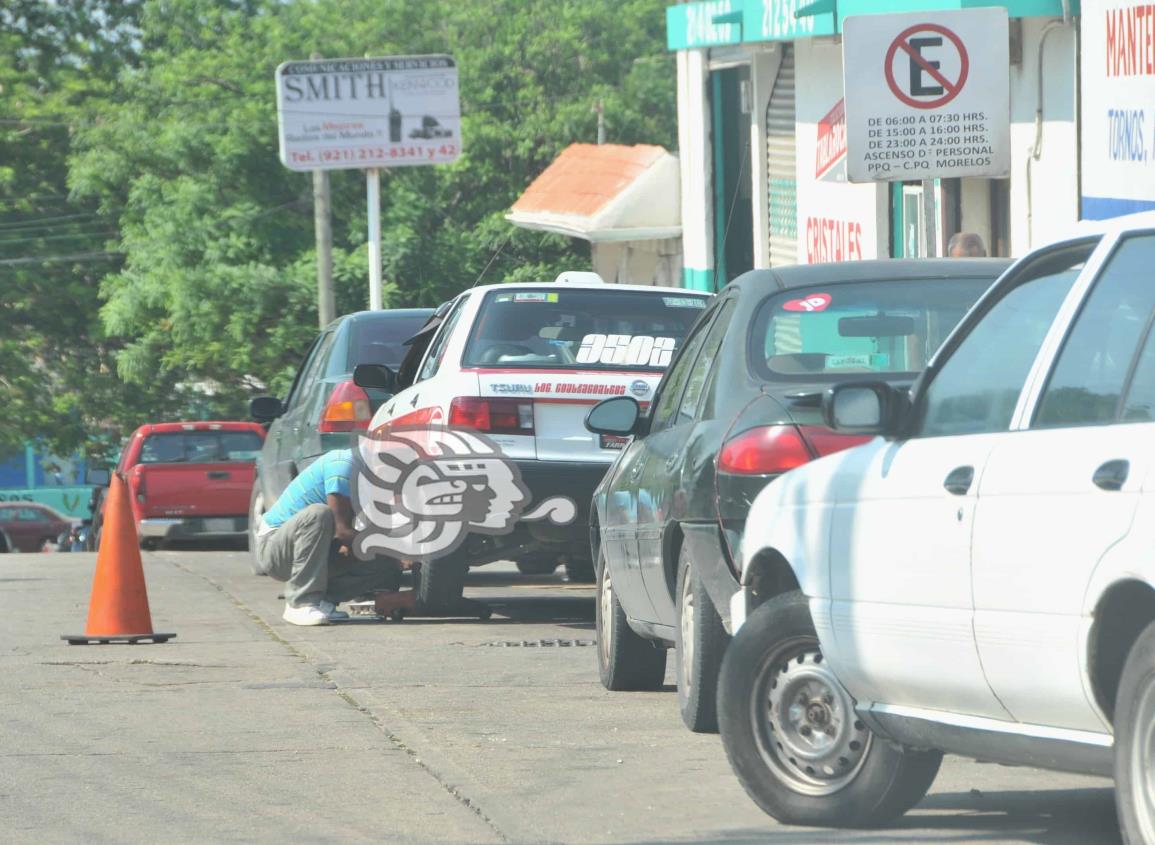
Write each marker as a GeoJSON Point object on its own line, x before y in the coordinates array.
{"type": "Point", "coordinates": [118, 611]}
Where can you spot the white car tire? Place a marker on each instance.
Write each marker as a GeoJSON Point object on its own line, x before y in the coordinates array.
{"type": "Point", "coordinates": [1135, 743]}
{"type": "Point", "coordinates": [440, 583]}
{"type": "Point", "coordinates": [793, 737]}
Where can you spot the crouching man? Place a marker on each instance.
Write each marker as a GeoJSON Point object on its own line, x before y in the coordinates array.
{"type": "Point", "coordinates": [304, 539]}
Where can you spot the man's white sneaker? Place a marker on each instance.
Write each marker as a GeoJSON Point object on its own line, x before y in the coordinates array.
{"type": "Point", "coordinates": [306, 614]}
{"type": "Point", "coordinates": [330, 609]}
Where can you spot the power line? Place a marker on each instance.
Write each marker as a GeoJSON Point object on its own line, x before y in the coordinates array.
{"type": "Point", "coordinates": [43, 222]}
{"type": "Point", "coordinates": [55, 259]}
{"type": "Point", "coordinates": [71, 235]}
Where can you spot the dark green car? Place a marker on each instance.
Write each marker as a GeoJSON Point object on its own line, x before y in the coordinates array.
{"type": "Point", "coordinates": [739, 405]}
{"type": "Point", "coordinates": [323, 406]}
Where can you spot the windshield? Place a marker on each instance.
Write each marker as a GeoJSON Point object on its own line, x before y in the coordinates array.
{"type": "Point", "coordinates": [201, 447]}
{"type": "Point", "coordinates": [876, 327]}
{"type": "Point", "coordinates": [581, 328]}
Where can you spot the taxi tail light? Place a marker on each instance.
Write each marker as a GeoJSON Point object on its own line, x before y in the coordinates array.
{"type": "Point", "coordinates": [346, 410]}
{"type": "Point", "coordinates": [498, 416]}
{"type": "Point", "coordinates": [765, 450]}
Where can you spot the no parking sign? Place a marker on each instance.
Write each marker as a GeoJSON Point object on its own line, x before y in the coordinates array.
{"type": "Point", "coordinates": [927, 95]}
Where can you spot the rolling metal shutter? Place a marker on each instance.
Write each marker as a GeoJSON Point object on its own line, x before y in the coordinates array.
{"type": "Point", "coordinates": [781, 175]}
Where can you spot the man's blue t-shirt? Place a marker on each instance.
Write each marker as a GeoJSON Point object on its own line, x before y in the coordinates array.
{"type": "Point", "coordinates": [329, 474]}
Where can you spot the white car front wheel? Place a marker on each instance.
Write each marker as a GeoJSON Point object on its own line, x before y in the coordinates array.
{"type": "Point", "coordinates": [793, 736]}
{"type": "Point", "coordinates": [1135, 743]}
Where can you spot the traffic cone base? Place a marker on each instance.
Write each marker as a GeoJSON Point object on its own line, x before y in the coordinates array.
{"type": "Point", "coordinates": [118, 611]}
{"type": "Point", "coordinates": [84, 639]}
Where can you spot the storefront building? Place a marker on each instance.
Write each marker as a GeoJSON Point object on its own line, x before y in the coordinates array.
{"type": "Point", "coordinates": [762, 139]}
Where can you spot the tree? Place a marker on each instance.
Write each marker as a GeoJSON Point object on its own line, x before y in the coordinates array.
{"type": "Point", "coordinates": [216, 290]}
{"type": "Point", "coordinates": [58, 61]}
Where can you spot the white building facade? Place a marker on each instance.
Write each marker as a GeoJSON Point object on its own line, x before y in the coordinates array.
{"type": "Point", "coordinates": [762, 148]}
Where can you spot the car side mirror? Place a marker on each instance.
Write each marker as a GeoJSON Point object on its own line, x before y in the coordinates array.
{"type": "Point", "coordinates": [618, 416]}
{"type": "Point", "coordinates": [376, 376]}
{"type": "Point", "coordinates": [861, 408]}
{"type": "Point", "coordinates": [265, 409]}
{"type": "Point", "coordinates": [98, 476]}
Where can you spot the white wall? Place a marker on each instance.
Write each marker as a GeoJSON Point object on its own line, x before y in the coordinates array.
{"type": "Point", "coordinates": [837, 221]}
{"type": "Point", "coordinates": [1052, 206]}
{"type": "Point", "coordinates": [639, 262]}
{"type": "Point", "coordinates": [763, 71]}
{"type": "Point", "coordinates": [694, 155]}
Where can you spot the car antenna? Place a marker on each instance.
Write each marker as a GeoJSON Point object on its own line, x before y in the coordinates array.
{"type": "Point", "coordinates": [485, 270]}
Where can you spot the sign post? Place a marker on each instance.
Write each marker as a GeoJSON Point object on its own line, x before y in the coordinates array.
{"type": "Point", "coordinates": [365, 114]}
{"type": "Point", "coordinates": [927, 95]}
{"type": "Point", "coordinates": [373, 196]}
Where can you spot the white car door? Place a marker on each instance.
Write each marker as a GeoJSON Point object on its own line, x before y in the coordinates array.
{"type": "Point", "coordinates": [900, 561]}
{"type": "Point", "coordinates": [1060, 492]}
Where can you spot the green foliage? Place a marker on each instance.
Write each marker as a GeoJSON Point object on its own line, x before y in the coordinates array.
{"type": "Point", "coordinates": [173, 148]}
{"type": "Point", "coordinates": [58, 64]}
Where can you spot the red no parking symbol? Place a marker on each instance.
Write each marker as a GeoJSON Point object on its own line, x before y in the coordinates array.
{"type": "Point", "coordinates": [942, 89]}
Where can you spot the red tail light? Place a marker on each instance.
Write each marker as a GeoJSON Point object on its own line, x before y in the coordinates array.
{"type": "Point", "coordinates": [774, 449]}
{"type": "Point", "coordinates": [766, 450]}
{"type": "Point", "coordinates": [499, 416]}
{"type": "Point", "coordinates": [825, 442]}
{"type": "Point", "coordinates": [138, 476]}
{"type": "Point", "coordinates": [346, 410]}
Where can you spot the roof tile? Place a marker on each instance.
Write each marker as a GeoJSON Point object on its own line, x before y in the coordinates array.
{"type": "Point", "coordinates": [584, 178]}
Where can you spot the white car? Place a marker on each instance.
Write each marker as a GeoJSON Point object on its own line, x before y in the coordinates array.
{"type": "Point", "coordinates": [980, 578]}
{"type": "Point", "coordinates": [523, 364]}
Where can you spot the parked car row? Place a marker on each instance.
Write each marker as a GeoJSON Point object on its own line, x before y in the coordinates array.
{"type": "Point", "coordinates": [910, 491]}
{"type": "Point", "coordinates": [878, 510]}
{"type": "Point", "coordinates": [975, 578]}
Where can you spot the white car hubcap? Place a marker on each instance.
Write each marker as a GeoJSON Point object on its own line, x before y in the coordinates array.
{"type": "Point", "coordinates": [807, 730]}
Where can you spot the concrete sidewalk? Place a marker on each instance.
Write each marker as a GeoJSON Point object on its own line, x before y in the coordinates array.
{"type": "Point", "coordinates": [225, 734]}
{"type": "Point", "coordinates": [246, 728]}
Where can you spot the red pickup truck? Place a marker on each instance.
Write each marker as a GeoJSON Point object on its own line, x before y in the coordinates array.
{"type": "Point", "coordinates": [191, 480]}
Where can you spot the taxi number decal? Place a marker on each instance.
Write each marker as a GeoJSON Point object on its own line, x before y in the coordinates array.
{"type": "Point", "coordinates": [640, 350]}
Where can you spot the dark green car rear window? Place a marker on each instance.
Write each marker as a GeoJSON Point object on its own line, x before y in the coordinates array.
{"type": "Point", "coordinates": [880, 327]}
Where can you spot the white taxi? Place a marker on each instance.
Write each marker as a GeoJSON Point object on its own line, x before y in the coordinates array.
{"type": "Point", "coordinates": [523, 364]}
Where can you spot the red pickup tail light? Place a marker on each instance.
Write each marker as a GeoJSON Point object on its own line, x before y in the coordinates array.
{"type": "Point", "coordinates": [138, 477]}
{"type": "Point", "coordinates": [497, 416]}
{"type": "Point", "coordinates": [774, 449]}
{"type": "Point", "coordinates": [346, 410]}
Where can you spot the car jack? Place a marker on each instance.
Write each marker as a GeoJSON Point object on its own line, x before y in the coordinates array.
{"type": "Point", "coordinates": [397, 605]}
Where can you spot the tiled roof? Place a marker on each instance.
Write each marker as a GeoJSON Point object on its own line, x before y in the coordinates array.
{"type": "Point", "coordinates": [585, 178]}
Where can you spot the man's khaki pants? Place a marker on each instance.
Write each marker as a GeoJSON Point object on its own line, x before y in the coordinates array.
{"type": "Point", "coordinates": [301, 553]}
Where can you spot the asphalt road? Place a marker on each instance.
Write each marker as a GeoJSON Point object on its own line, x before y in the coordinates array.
{"type": "Point", "coordinates": [245, 728]}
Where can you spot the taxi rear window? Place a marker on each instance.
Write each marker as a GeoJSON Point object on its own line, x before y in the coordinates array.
{"type": "Point", "coordinates": [553, 328]}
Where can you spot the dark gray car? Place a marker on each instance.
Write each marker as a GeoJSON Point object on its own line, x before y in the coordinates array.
{"type": "Point", "coordinates": [323, 406]}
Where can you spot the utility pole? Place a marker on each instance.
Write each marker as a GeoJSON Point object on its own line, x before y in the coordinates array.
{"type": "Point", "coordinates": [323, 229]}
{"type": "Point", "coordinates": [601, 110]}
